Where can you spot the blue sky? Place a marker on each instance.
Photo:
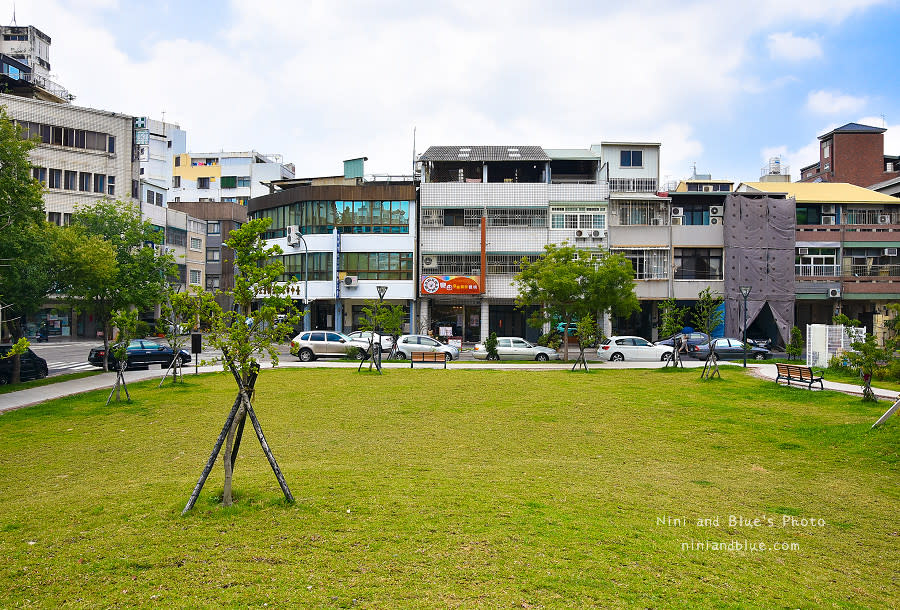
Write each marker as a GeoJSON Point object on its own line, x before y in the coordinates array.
{"type": "Point", "coordinates": [721, 84]}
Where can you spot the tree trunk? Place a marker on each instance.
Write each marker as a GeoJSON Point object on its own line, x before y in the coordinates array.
{"type": "Point", "coordinates": [106, 349]}
{"type": "Point", "coordinates": [226, 457]}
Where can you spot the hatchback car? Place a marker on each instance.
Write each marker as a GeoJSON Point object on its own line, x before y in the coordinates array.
{"type": "Point", "coordinates": [386, 341]}
{"type": "Point", "coordinates": [728, 349]}
{"type": "Point", "coordinates": [309, 345]}
{"type": "Point", "coordinates": [408, 344]}
{"type": "Point", "coordinates": [141, 353]}
{"type": "Point", "coordinates": [632, 348]}
{"type": "Point", "coordinates": [516, 348]}
{"type": "Point", "coordinates": [31, 366]}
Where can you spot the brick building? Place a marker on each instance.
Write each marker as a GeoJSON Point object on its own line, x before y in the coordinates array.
{"type": "Point", "coordinates": [852, 154]}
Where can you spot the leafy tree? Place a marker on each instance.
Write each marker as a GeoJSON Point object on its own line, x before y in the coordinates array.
{"type": "Point", "coordinates": [182, 310]}
{"type": "Point", "coordinates": [263, 313]}
{"type": "Point", "coordinates": [490, 345]}
{"type": "Point", "coordinates": [126, 321]}
{"type": "Point", "coordinates": [138, 278]}
{"type": "Point", "coordinates": [867, 357]}
{"type": "Point", "coordinates": [24, 251]}
{"type": "Point", "coordinates": [671, 318]}
{"type": "Point", "coordinates": [795, 346]}
{"type": "Point", "coordinates": [568, 284]}
{"type": "Point", "coordinates": [708, 314]}
{"type": "Point", "coordinates": [15, 352]}
{"type": "Point", "coordinates": [845, 320]}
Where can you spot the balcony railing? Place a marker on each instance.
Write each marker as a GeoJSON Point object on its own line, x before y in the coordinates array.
{"type": "Point", "coordinates": [871, 271]}
{"type": "Point", "coordinates": [817, 270]}
{"type": "Point", "coordinates": [633, 185]}
{"type": "Point", "coordinates": [43, 82]}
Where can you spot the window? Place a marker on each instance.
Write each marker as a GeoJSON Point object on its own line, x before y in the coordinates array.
{"type": "Point", "coordinates": [649, 264]}
{"type": "Point", "coordinates": [698, 263]}
{"type": "Point", "coordinates": [321, 267]}
{"type": "Point", "coordinates": [67, 219]}
{"type": "Point", "coordinates": [196, 243]}
{"type": "Point", "coordinates": [631, 158]}
{"type": "Point", "coordinates": [243, 181]}
{"type": "Point", "coordinates": [111, 144]}
{"type": "Point", "coordinates": [195, 277]}
{"type": "Point", "coordinates": [228, 182]}
{"type": "Point", "coordinates": [176, 236]}
{"type": "Point", "coordinates": [212, 255]}
{"type": "Point", "coordinates": [69, 180]}
{"type": "Point", "coordinates": [177, 183]}
{"type": "Point", "coordinates": [809, 214]}
{"type": "Point", "coordinates": [99, 183]}
{"type": "Point", "coordinates": [150, 197]}
{"type": "Point", "coordinates": [111, 185]}
{"type": "Point", "coordinates": [55, 178]}
{"type": "Point", "coordinates": [213, 227]}
{"type": "Point", "coordinates": [55, 218]}
{"type": "Point", "coordinates": [177, 161]}
{"type": "Point", "coordinates": [159, 199]}
{"type": "Point", "coordinates": [578, 218]}
{"type": "Point", "coordinates": [454, 218]}
{"type": "Point", "coordinates": [202, 183]}
{"type": "Point", "coordinates": [212, 282]}
{"type": "Point", "coordinates": [39, 174]}
{"type": "Point", "coordinates": [378, 265]}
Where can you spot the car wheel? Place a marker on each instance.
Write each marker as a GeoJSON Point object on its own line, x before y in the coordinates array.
{"type": "Point", "coordinates": [760, 356]}
{"type": "Point", "coordinates": [360, 354]}
{"type": "Point", "coordinates": [306, 355]}
{"type": "Point", "coordinates": [399, 355]}
{"type": "Point", "coordinates": [617, 357]}
{"type": "Point", "coordinates": [542, 357]}
{"type": "Point", "coordinates": [42, 372]}
{"type": "Point", "coordinates": [448, 357]}
{"type": "Point", "coordinates": [666, 357]}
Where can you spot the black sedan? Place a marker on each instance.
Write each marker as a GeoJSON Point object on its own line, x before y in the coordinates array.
{"type": "Point", "coordinates": [141, 354]}
{"type": "Point", "coordinates": [728, 349]}
{"type": "Point", "coordinates": [694, 338]}
{"type": "Point", "coordinates": [31, 366]}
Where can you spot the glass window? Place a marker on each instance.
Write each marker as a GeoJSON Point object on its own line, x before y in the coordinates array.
{"type": "Point", "coordinates": [212, 255]}
{"type": "Point", "coordinates": [111, 185]}
{"type": "Point", "coordinates": [55, 178]}
{"type": "Point", "coordinates": [195, 276]}
{"type": "Point", "coordinates": [99, 183]}
{"type": "Point", "coordinates": [111, 144]}
{"type": "Point", "coordinates": [316, 337]}
{"type": "Point", "coordinates": [213, 227]}
{"type": "Point", "coordinates": [631, 158]}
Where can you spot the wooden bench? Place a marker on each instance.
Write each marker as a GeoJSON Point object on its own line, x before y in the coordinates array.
{"type": "Point", "coordinates": [427, 357]}
{"type": "Point", "coordinates": [798, 373]}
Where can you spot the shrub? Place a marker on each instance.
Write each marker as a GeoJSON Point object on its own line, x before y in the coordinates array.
{"type": "Point", "coordinates": [553, 340]}
{"type": "Point", "coordinates": [490, 344]}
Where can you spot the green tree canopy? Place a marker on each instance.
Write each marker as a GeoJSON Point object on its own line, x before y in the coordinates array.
{"type": "Point", "coordinates": [708, 314]}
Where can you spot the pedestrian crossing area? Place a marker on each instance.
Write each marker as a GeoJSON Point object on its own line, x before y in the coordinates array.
{"type": "Point", "coordinates": [69, 366]}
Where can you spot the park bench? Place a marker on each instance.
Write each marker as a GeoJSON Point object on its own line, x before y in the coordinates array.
{"type": "Point", "coordinates": [798, 373]}
{"type": "Point", "coordinates": [427, 357]}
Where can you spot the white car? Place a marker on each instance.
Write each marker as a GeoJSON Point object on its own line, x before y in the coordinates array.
{"type": "Point", "coordinates": [386, 341]}
{"type": "Point", "coordinates": [421, 343]}
{"type": "Point", "coordinates": [632, 348]}
{"type": "Point", "coordinates": [516, 348]}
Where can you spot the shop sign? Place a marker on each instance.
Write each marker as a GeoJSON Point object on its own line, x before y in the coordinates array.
{"type": "Point", "coordinates": [450, 284]}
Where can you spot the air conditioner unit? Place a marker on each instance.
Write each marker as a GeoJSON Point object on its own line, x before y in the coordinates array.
{"type": "Point", "coordinates": [715, 210]}
{"type": "Point", "coordinates": [598, 234]}
{"type": "Point", "coordinates": [715, 220]}
{"type": "Point", "coordinates": [828, 209]}
{"type": "Point", "coordinates": [580, 234]}
{"type": "Point", "coordinates": [676, 220]}
{"type": "Point", "coordinates": [656, 220]}
{"type": "Point", "coordinates": [827, 220]}
{"type": "Point", "coordinates": [351, 281]}
{"type": "Point", "coordinates": [884, 219]}
{"type": "Point", "coordinates": [429, 262]}
{"type": "Point", "coordinates": [890, 251]}
{"type": "Point", "coordinates": [802, 251]}
{"type": "Point", "coordinates": [293, 235]}
{"type": "Point", "coordinates": [677, 211]}
{"type": "Point", "coordinates": [834, 293]}
{"type": "Point", "coordinates": [707, 188]}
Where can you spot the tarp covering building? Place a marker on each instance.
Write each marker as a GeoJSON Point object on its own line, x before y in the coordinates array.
{"type": "Point", "coordinates": [759, 237]}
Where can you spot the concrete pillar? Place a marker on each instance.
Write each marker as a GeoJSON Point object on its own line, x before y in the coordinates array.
{"type": "Point", "coordinates": [339, 315]}
{"type": "Point", "coordinates": [424, 321]}
{"type": "Point", "coordinates": [485, 319]}
{"type": "Point", "coordinates": [412, 316]}
{"type": "Point", "coordinates": [606, 325]}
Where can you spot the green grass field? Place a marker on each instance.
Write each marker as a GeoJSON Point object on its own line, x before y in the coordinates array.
{"type": "Point", "coordinates": [433, 488]}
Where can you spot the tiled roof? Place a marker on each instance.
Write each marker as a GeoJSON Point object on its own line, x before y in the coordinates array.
{"type": "Point", "coordinates": [854, 128]}
{"type": "Point", "coordinates": [822, 192]}
{"type": "Point", "coordinates": [484, 153]}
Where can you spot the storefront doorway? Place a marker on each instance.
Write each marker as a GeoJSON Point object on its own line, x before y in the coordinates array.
{"type": "Point", "coordinates": [510, 321]}
{"type": "Point", "coordinates": [464, 322]}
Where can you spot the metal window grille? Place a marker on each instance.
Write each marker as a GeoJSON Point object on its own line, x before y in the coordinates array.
{"type": "Point", "coordinates": [631, 212]}
{"type": "Point", "coordinates": [648, 264]}
{"type": "Point", "coordinates": [633, 185]}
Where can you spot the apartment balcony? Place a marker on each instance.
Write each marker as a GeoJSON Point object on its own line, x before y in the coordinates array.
{"type": "Point", "coordinates": [633, 185]}
{"type": "Point", "coordinates": [871, 272]}
{"type": "Point", "coordinates": [817, 271]}
{"type": "Point", "coordinates": [508, 194]}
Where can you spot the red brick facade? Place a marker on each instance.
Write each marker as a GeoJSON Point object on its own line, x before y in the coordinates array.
{"type": "Point", "coordinates": [855, 158]}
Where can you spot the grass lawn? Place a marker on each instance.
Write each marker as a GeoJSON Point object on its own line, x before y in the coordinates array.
{"type": "Point", "coordinates": [434, 488]}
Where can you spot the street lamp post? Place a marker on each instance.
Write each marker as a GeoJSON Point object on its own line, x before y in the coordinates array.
{"type": "Point", "coordinates": [382, 290]}
{"type": "Point", "coordinates": [745, 292]}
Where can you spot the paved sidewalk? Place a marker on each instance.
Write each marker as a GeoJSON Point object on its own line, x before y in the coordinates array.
{"type": "Point", "coordinates": [33, 396]}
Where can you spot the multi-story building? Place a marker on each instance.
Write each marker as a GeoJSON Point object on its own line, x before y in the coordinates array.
{"type": "Point", "coordinates": [158, 145]}
{"type": "Point", "coordinates": [220, 219]}
{"type": "Point", "coordinates": [83, 155]}
{"type": "Point", "coordinates": [231, 177]}
{"type": "Point", "coordinates": [342, 238]}
{"type": "Point", "coordinates": [846, 250]}
{"type": "Point", "coordinates": [27, 44]}
{"type": "Point", "coordinates": [854, 154]}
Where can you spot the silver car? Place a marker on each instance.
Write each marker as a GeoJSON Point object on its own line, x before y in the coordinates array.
{"type": "Point", "coordinates": [386, 341]}
{"type": "Point", "coordinates": [312, 344]}
{"type": "Point", "coordinates": [516, 348]}
{"type": "Point", "coordinates": [421, 343]}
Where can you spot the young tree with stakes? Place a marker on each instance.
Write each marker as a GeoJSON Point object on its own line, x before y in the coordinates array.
{"type": "Point", "coordinates": [708, 314]}
{"type": "Point", "coordinates": [184, 310]}
{"type": "Point", "coordinates": [243, 334]}
{"type": "Point", "coordinates": [587, 335]}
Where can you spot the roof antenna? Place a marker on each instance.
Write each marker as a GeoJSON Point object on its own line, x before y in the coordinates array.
{"type": "Point", "coordinates": [882, 119]}
{"type": "Point", "coordinates": [14, 14]}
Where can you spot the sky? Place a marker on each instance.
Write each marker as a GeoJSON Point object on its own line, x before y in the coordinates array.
{"type": "Point", "coordinates": [721, 85]}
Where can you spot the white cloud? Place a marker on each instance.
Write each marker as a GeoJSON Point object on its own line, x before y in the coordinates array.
{"type": "Point", "coordinates": [786, 46]}
{"type": "Point", "coordinates": [833, 102]}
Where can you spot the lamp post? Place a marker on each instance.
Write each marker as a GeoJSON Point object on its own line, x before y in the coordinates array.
{"type": "Point", "coordinates": [745, 292]}
{"type": "Point", "coordinates": [306, 321]}
{"type": "Point", "coordinates": [381, 292]}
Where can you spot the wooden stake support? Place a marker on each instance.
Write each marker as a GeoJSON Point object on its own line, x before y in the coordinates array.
{"type": "Point", "coordinates": [120, 383]}
{"type": "Point", "coordinates": [887, 414]}
{"type": "Point", "coordinates": [711, 368]}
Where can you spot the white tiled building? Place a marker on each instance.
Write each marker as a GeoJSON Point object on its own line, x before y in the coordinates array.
{"type": "Point", "coordinates": [233, 177]}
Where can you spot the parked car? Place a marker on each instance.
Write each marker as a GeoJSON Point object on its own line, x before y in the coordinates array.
{"type": "Point", "coordinates": [312, 344]}
{"type": "Point", "coordinates": [632, 348]}
{"type": "Point", "coordinates": [516, 348]}
{"type": "Point", "coordinates": [421, 343]}
{"type": "Point", "coordinates": [31, 366]}
{"type": "Point", "coordinates": [386, 341]}
{"type": "Point", "coordinates": [141, 353]}
{"type": "Point", "coordinates": [728, 349]}
{"type": "Point", "coordinates": [694, 338]}
{"type": "Point", "coordinates": [573, 328]}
